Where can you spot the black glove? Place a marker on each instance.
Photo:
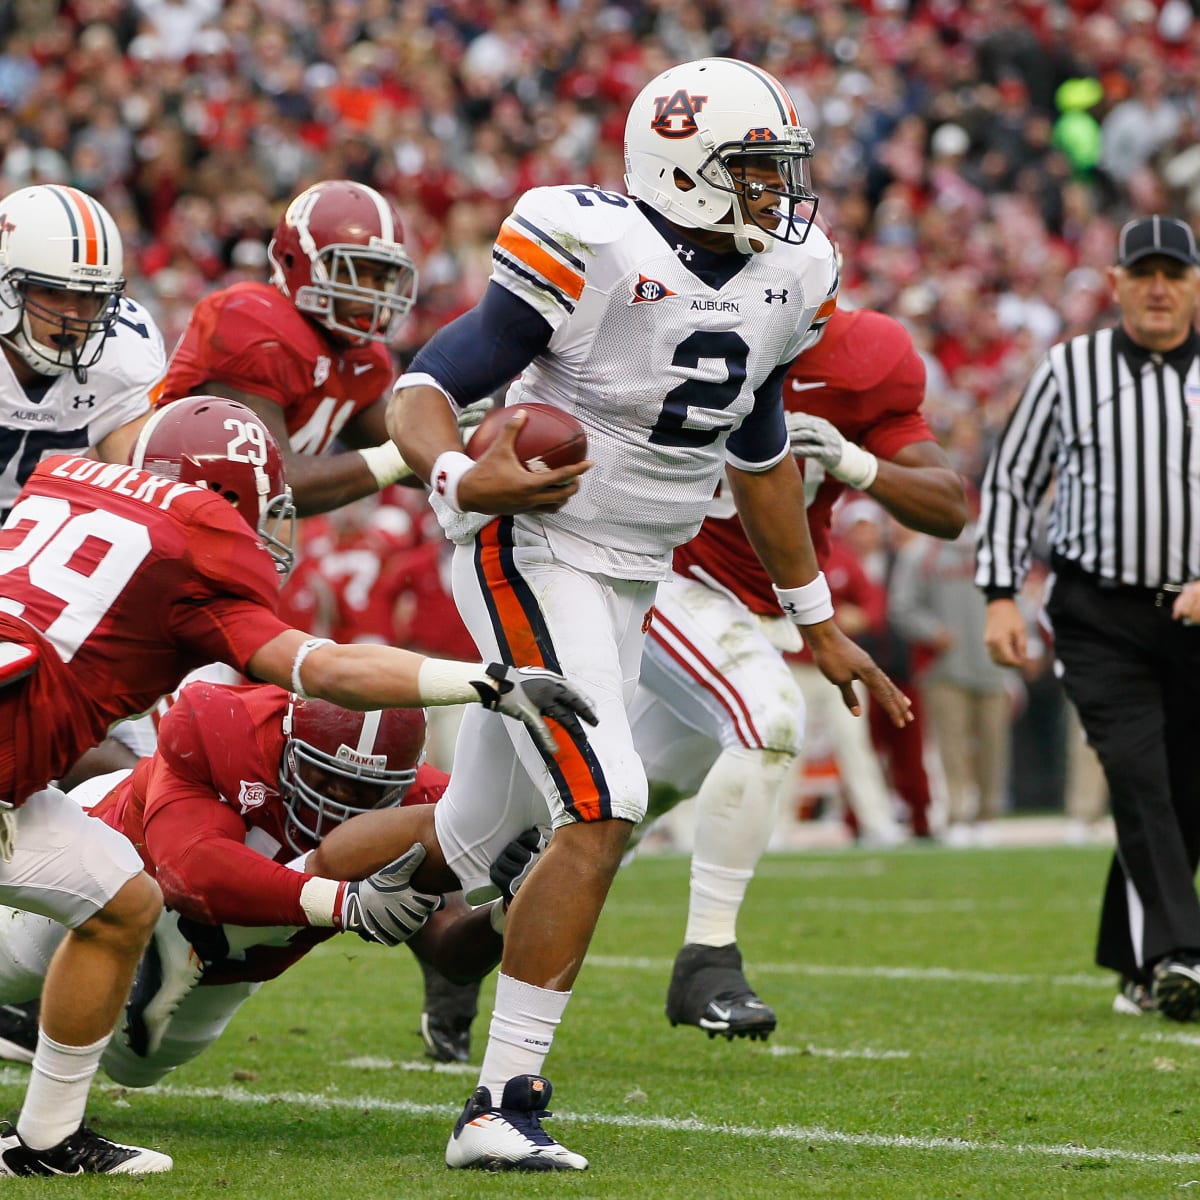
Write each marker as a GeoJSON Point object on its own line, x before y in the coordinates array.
{"type": "Point", "coordinates": [516, 860]}
{"type": "Point", "coordinates": [531, 693]}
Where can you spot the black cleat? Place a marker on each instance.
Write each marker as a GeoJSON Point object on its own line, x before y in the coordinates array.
{"type": "Point", "coordinates": [1134, 999]}
{"type": "Point", "coordinates": [83, 1153]}
{"type": "Point", "coordinates": [709, 990]}
{"type": "Point", "coordinates": [446, 1019]}
{"type": "Point", "coordinates": [1176, 988]}
{"type": "Point", "coordinates": [19, 1031]}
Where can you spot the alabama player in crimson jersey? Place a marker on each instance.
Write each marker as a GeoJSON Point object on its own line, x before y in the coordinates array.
{"type": "Point", "coordinates": [718, 714]}
{"type": "Point", "coordinates": [116, 580]}
{"type": "Point", "coordinates": [251, 794]}
{"type": "Point", "coordinates": [308, 351]}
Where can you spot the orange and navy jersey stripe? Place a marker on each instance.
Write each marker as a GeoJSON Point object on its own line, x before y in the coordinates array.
{"type": "Point", "coordinates": [533, 255]}
{"type": "Point", "coordinates": [91, 246]}
{"type": "Point", "coordinates": [525, 641]}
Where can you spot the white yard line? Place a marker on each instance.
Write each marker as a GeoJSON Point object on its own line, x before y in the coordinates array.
{"type": "Point", "coordinates": [799, 1134]}
{"type": "Point", "coordinates": [917, 974]}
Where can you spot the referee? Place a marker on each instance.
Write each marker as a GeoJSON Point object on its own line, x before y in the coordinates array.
{"type": "Point", "coordinates": [1115, 417]}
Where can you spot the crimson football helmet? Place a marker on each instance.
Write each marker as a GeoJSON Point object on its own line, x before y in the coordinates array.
{"type": "Point", "coordinates": [224, 446]}
{"type": "Point", "coordinates": [341, 242]}
{"type": "Point", "coordinates": [691, 136]}
{"type": "Point", "coordinates": [376, 754]}
{"type": "Point", "coordinates": [58, 237]}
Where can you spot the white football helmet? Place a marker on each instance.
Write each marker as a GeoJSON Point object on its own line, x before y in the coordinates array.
{"type": "Point", "coordinates": [52, 236]}
{"type": "Point", "coordinates": [689, 136]}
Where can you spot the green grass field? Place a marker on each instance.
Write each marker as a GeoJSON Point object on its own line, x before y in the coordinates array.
{"type": "Point", "coordinates": [942, 1034]}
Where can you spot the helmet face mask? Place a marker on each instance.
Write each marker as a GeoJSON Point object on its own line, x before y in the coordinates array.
{"type": "Point", "coordinates": [716, 145]}
{"type": "Point", "coordinates": [224, 446]}
{"type": "Point", "coordinates": [60, 267]}
{"type": "Point", "coordinates": [338, 254]}
{"type": "Point", "coordinates": [338, 763]}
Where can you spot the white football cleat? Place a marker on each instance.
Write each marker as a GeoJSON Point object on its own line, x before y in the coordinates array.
{"type": "Point", "coordinates": [510, 1137]}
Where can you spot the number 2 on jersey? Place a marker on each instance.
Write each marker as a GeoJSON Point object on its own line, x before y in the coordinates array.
{"type": "Point", "coordinates": [711, 344]}
{"type": "Point", "coordinates": [51, 542]}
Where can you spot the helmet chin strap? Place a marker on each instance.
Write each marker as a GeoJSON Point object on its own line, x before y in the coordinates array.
{"type": "Point", "coordinates": [35, 355]}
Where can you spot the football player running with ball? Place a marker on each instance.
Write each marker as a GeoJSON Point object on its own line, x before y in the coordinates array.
{"type": "Point", "coordinates": [664, 321]}
{"type": "Point", "coordinates": [117, 580]}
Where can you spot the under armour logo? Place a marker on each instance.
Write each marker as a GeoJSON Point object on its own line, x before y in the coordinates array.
{"type": "Point", "coordinates": [84, 401]}
{"type": "Point", "coordinates": [321, 370]}
{"type": "Point", "coordinates": [648, 619]}
{"type": "Point", "coordinates": [780, 295]}
{"type": "Point", "coordinates": [684, 253]}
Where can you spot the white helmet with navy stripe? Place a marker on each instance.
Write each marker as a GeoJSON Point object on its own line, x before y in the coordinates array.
{"type": "Point", "coordinates": [53, 236]}
{"type": "Point", "coordinates": [690, 135]}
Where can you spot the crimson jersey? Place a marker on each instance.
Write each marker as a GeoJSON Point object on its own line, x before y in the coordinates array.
{"type": "Point", "coordinates": [253, 338]}
{"type": "Point", "coordinates": [863, 376]}
{"type": "Point", "coordinates": [207, 815]}
{"type": "Point", "coordinates": [124, 581]}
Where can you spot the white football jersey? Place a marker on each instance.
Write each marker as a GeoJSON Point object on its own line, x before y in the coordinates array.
{"type": "Point", "coordinates": [68, 417]}
{"type": "Point", "coordinates": [659, 366]}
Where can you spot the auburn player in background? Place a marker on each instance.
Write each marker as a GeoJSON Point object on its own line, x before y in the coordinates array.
{"type": "Point", "coordinates": [233, 814]}
{"type": "Point", "coordinates": [718, 714]}
{"type": "Point", "coordinates": [118, 580]}
{"type": "Point", "coordinates": [78, 359]}
{"type": "Point", "coordinates": [308, 352]}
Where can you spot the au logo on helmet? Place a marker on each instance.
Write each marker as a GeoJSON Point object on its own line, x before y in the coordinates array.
{"type": "Point", "coordinates": [675, 115]}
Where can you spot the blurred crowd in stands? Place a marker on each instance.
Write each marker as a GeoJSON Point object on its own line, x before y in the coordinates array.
{"type": "Point", "coordinates": [974, 159]}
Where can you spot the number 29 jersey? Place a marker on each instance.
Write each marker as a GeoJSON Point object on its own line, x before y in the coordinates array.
{"type": "Point", "coordinates": [659, 365]}
{"type": "Point", "coordinates": [123, 581]}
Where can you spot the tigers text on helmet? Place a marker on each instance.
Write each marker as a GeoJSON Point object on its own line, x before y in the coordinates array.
{"type": "Point", "coordinates": [338, 763]}
{"type": "Point", "coordinates": [340, 243]}
{"type": "Point", "coordinates": [224, 446]}
{"type": "Point", "coordinates": [705, 138]}
{"type": "Point", "coordinates": [57, 237]}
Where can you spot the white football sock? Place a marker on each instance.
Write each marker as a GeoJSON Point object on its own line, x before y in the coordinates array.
{"type": "Point", "coordinates": [735, 816]}
{"type": "Point", "coordinates": [523, 1023]}
{"type": "Point", "coordinates": [58, 1090]}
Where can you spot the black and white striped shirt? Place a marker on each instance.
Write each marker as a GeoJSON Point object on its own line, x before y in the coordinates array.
{"type": "Point", "coordinates": [1119, 428]}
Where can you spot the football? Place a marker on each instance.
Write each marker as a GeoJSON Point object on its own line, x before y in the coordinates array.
{"type": "Point", "coordinates": [550, 438]}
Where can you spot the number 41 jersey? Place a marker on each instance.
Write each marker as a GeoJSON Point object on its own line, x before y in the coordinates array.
{"type": "Point", "coordinates": [123, 581]}
{"type": "Point", "coordinates": [659, 365]}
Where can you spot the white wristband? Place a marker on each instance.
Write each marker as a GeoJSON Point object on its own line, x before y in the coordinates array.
{"type": "Point", "coordinates": [306, 648]}
{"type": "Point", "coordinates": [319, 900]}
{"type": "Point", "coordinates": [808, 604]}
{"type": "Point", "coordinates": [444, 681]}
{"type": "Point", "coordinates": [386, 463]}
{"type": "Point", "coordinates": [857, 466]}
{"type": "Point", "coordinates": [448, 469]}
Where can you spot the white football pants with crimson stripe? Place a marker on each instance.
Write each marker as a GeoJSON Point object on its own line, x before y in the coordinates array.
{"type": "Point", "coordinates": [524, 606]}
{"type": "Point", "coordinates": [718, 716]}
{"type": "Point", "coordinates": [716, 667]}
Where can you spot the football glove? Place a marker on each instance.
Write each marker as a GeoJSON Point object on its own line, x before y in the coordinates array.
{"type": "Point", "coordinates": [516, 860]}
{"type": "Point", "coordinates": [531, 693]}
{"type": "Point", "coordinates": [385, 908]}
{"type": "Point", "coordinates": [814, 437]}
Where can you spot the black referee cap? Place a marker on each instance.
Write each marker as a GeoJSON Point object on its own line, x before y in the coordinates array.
{"type": "Point", "coordinates": [1156, 235]}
